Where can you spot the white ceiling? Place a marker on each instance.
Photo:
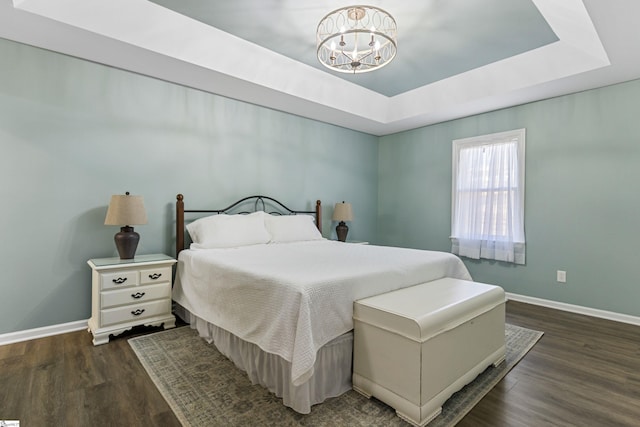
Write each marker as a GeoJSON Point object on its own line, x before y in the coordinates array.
{"type": "Point", "coordinates": [455, 57]}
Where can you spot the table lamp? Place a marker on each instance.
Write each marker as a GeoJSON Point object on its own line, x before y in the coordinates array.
{"type": "Point", "coordinates": [126, 210]}
{"type": "Point", "coordinates": [342, 212]}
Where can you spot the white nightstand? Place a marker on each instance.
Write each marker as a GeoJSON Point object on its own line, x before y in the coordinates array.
{"type": "Point", "coordinates": [130, 292]}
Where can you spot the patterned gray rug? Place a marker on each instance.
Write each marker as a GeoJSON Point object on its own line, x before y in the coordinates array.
{"type": "Point", "coordinates": [205, 389]}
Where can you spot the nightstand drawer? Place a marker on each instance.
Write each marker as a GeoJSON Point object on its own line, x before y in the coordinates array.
{"type": "Point", "coordinates": [135, 311]}
{"type": "Point", "coordinates": [154, 275]}
{"type": "Point", "coordinates": [119, 279]}
{"type": "Point", "coordinates": [135, 295]}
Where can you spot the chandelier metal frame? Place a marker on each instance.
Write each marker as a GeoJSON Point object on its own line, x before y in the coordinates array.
{"type": "Point", "coordinates": [356, 39]}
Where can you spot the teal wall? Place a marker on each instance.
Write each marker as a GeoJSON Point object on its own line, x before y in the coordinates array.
{"type": "Point", "coordinates": [582, 200]}
{"type": "Point", "coordinates": [72, 133]}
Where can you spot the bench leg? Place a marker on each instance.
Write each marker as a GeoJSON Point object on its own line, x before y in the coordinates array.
{"type": "Point", "coordinates": [362, 392]}
{"type": "Point", "coordinates": [423, 422]}
{"type": "Point", "coordinates": [499, 361]}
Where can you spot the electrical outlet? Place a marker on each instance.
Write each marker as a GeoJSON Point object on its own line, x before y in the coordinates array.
{"type": "Point", "coordinates": [561, 276]}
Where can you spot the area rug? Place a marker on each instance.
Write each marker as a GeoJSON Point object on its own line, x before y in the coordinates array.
{"type": "Point", "coordinates": [204, 388]}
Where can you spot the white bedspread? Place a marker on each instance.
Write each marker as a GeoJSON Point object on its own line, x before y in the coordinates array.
{"type": "Point", "coordinates": [292, 298]}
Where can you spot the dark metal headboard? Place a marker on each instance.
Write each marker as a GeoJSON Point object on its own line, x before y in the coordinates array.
{"type": "Point", "coordinates": [237, 208]}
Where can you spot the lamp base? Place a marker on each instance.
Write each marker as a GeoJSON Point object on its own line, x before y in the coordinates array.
{"type": "Point", "coordinates": [126, 242]}
{"type": "Point", "coordinates": [341, 230]}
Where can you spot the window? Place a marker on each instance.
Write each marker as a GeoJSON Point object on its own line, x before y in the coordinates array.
{"type": "Point", "coordinates": [487, 216]}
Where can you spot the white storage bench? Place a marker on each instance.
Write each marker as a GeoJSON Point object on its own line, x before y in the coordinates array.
{"type": "Point", "coordinates": [415, 347]}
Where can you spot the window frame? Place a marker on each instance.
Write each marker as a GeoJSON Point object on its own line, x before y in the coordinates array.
{"type": "Point", "coordinates": [518, 244]}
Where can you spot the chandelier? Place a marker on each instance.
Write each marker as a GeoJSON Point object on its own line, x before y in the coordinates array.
{"type": "Point", "coordinates": [356, 39]}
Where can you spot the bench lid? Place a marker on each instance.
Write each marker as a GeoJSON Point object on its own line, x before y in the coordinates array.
{"type": "Point", "coordinates": [422, 311]}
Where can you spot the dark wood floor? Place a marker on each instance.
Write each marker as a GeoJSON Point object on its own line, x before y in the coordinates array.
{"type": "Point", "coordinates": [583, 372]}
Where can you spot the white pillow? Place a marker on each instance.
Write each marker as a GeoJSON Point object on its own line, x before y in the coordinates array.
{"type": "Point", "coordinates": [228, 231]}
{"type": "Point", "coordinates": [292, 228]}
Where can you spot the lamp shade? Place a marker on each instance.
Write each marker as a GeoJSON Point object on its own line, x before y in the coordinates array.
{"type": "Point", "coordinates": [342, 212]}
{"type": "Point", "coordinates": [126, 210]}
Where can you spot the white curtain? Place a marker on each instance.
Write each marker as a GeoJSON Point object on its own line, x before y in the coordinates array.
{"type": "Point", "coordinates": [488, 197]}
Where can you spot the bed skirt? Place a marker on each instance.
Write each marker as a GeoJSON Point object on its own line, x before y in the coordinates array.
{"type": "Point", "coordinates": [332, 368]}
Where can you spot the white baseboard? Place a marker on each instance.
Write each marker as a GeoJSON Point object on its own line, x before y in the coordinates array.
{"type": "Point", "coordinates": [594, 312]}
{"type": "Point", "coordinates": [46, 331]}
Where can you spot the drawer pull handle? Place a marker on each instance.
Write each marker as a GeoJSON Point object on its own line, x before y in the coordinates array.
{"type": "Point", "coordinates": [137, 295]}
{"type": "Point", "coordinates": [155, 276]}
{"type": "Point", "coordinates": [138, 312]}
{"type": "Point", "coordinates": [119, 280]}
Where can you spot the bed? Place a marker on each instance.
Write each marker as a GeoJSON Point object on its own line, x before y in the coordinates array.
{"type": "Point", "coordinates": [277, 299]}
